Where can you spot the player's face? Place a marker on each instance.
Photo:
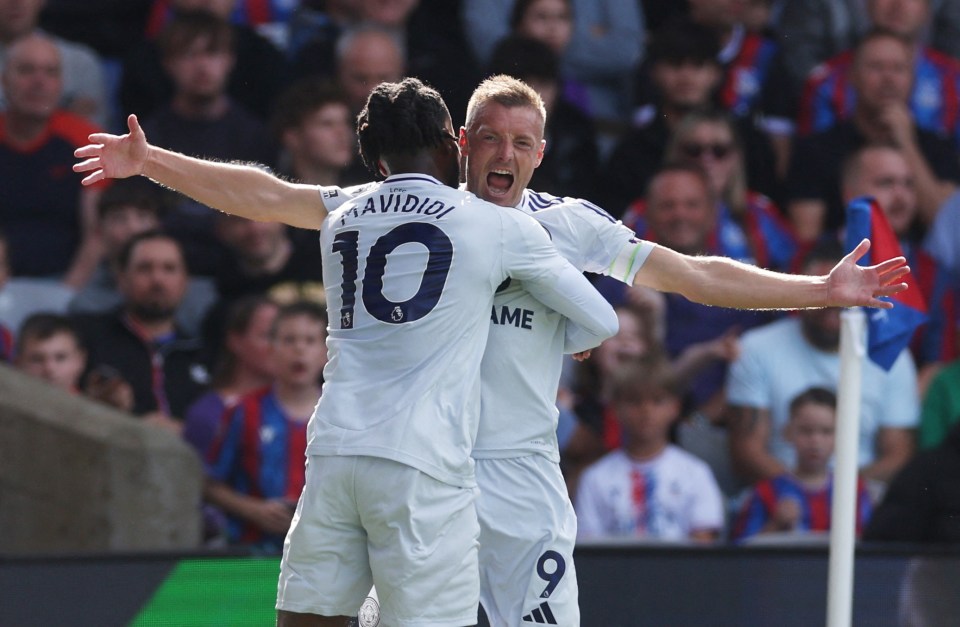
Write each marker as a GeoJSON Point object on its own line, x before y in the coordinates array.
{"type": "Point", "coordinates": [326, 137]}
{"type": "Point", "coordinates": [548, 21]}
{"type": "Point", "coordinates": [32, 79]}
{"type": "Point", "coordinates": [883, 73]}
{"type": "Point", "coordinates": [502, 147]}
{"type": "Point", "coordinates": [300, 350]}
{"type": "Point", "coordinates": [680, 212]}
{"type": "Point", "coordinates": [686, 85]}
{"type": "Point", "coordinates": [711, 146]}
{"type": "Point", "coordinates": [57, 359]}
{"type": "Point", "coordinates": [155, 279]}
{"type": "Point", "coordinates": [885, 175]}
{"type": "Point", "coordinates": [648, 420]}
{"type": "Point", "coordinates": [122, 223]}
{"type": "Point", "coordinates": [811, 431]}
{"type": "Point", "coordinates": [252, 346]}
{"type": "Point", "coordinates": [903, 17]}
{"type": "Point", "coordinates": [200, 72]}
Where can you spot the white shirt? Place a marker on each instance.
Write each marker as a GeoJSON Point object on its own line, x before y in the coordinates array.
{"type": "Point", "coordinates": [665, 498]}
{"type": "Point", "coordinates": [521, 366]}
{"type": "Point", "coordinates": [777, 363]}
{"type": "Point", "coordinates": [410, 267]}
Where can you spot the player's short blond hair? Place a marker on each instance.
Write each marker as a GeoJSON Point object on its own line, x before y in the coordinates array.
{"type": "Point", "coordinates": [507, 91]}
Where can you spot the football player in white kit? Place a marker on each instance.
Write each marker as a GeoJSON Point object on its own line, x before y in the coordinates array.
{"type": "Point", "coordinates": [410, 268]}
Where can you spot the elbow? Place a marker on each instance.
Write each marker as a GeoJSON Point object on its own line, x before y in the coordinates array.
{"type": "Point", "coordinates": [610, 324]}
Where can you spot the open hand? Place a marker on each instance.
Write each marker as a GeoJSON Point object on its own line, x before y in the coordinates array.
{"type": "Point", "coordinates": [113, 156]}
{"type": "Point", "coordinates": [850, 285]}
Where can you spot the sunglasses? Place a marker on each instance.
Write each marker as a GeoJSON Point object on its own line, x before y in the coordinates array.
{"type": "Point", "coordinates": [717, 151]}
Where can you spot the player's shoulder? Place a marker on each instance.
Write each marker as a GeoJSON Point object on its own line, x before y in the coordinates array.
{"type": "Point", "coordinates": [542, 206]}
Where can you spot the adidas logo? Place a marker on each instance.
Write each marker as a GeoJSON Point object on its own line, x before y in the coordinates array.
{"type": "Point", "coordinates": [541, 615]}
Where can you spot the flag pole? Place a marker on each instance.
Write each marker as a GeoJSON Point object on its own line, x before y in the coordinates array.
{"type": "Point", "coordinates": [844, 500]}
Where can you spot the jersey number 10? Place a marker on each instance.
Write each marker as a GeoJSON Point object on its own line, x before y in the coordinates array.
{"type": "Point", "coordinates": [440, 250]}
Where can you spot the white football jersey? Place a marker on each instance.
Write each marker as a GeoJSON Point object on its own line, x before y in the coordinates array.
{"type": "Point", "coordinates": [410, 268]}
{"type": "Point", "coordinates": [520, 371]}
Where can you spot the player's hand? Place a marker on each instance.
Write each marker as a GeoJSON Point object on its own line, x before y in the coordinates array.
{"type": "Point", "coordinates": [273, 516]}
{"type": "Point", "coordinates": [113, 156]}
{"type": "Point", "coordinates": [850, 285]}
{"type": "Point", "coordinates": [582, 355]}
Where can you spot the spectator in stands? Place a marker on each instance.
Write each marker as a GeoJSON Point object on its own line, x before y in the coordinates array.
{"type": "Point", "coordinates": [570, 158]}
{"type": "Point", "coordinates": [244, 364]}
{"type": "Point", "coordinates": [682, 214]}
{"type": "Point", "coordinates": [202, 120]}
{"type": "Point", "coordinates": [126, 208]}
{"type": "Point", "coordinates": [314, 128]}
{"type": "Point", "coordinates": [22, 297]}
{"type": "Point", "coordinates": [270, 427]}
{"type": "Point", "coordinates": [881, 75]}
{"type": "Point", "coordinates": [943, 236]}
{"type": "Point", "coordinates": [47, 215]}
{"type": "Point", "coordinates": [923, 501]}
{"type": "Point", "coordinates": [780, 360]}
{"type": "Point", "coordinates": [606, 44]}
{"type": "Point", "coordinates": [259, 74]}
{"type": "Point", "coordinates": [881, 171]}
{"type": "Point", "coordinates": [941, 406]}
{"type": "Point", "coordinates": [49, 348]}
{"type": "Point", "coordinates": [749, 226]}
{"type": "Point", "coordinates": [812, 31]}
{"type": "Point", "coordinates": [684, 71]}
{"type": "Point", "coordinates": [798, 502]}
{"type": "Point", "coordinates": [261, 258]}
{"type": "Point", "coordinates": [649, 488]}
{"type": "Point", "coordinates": [829, 96]}
{"type": "Point", "coordinates": [139, 342]}
{"type": "Point", "coordinates": [84, 88]}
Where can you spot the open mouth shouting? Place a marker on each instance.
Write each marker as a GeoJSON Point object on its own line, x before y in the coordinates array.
{"type": "Point", "coordinates": [499, 182]}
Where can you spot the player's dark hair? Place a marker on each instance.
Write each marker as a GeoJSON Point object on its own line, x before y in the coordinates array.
{"type": "Point", "coordinates": [813, 396]}
{"type": "Point", "coordinates": [401, 119]}
{"type": "Point", "coordinates": [305, 308]}
{"type": "Point", "coordinates": [301, 100]}
{"type": "Point", "coordinates": [43, 326]}
{"type": "Point", "coordinates": [681, 40]}
{"type": "Point", "coordinates": [123, 259]}
{"type": "Point", "coordinates": [525, 58]}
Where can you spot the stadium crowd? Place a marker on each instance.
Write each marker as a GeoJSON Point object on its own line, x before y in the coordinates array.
{"type": "Point", "coordinates": [738, 128]}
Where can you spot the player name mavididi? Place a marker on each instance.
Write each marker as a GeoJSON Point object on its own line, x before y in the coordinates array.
{"type": "Point", "coordinates": [399, 203]}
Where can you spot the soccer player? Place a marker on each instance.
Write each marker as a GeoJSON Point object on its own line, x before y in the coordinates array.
{"type": "Point", "coordinates": [410, 266]}
{"type": "Point", "coordinates": [503, 144]}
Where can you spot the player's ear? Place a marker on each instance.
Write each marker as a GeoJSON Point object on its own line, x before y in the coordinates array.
{"type": "Point", "coordinates": [543, 147]}
{"type": "Point", "coordinates": [462, 141]}
{"type": "Point", "coordinates": [382, 168]}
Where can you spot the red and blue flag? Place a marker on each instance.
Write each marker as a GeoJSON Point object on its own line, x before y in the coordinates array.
{"type": "Point", "coordinates": [888, 330]}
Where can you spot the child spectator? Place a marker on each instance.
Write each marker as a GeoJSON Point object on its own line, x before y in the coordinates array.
{"type": "Point", "coordinates": [799, 501]}
{"type": "Point", "coordinates": [49, 348]}
{"type": "Point", "coordinates": [256, 465]}
{"type": "Point", "coordinates": [649, 488]}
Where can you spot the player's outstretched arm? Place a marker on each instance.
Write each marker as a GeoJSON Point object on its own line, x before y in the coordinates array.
{"type": "Point", "coordinates": [241, 190]}
{"type": "Point", "coordinates": [727, 283]}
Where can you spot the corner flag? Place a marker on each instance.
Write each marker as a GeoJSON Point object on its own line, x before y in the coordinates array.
{"type": "Point", "coordinates": [888, 330]}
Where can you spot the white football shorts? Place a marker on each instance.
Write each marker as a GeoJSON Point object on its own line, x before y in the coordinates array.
{"type": "Point", "coordinates": [528, 530]}
{"type": "Point", "coordinates": [365, 520]}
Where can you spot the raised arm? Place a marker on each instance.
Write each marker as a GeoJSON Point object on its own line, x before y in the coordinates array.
{"type": "Point", "coordinates": [727, 283]}
{"type": "Point", "coordinates": [242, 190]}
